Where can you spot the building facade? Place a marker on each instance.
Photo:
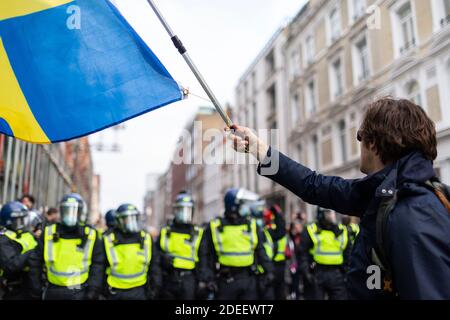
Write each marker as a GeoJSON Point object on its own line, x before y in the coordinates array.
{"type": "Point", "coordinates": [341, 55]}
{"type": "Point", "coordinates": [45, 171]}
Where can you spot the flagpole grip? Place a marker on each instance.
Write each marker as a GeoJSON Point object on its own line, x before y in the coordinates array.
{"type": "Point", "coordinates": [182, 50]}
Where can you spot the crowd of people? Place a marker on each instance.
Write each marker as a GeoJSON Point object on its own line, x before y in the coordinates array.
{"type": "Point", "coordinates": [244, 254]}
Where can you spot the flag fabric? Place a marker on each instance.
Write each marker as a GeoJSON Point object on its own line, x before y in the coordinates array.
{"type": "Point", "coordinates": [69, 68]}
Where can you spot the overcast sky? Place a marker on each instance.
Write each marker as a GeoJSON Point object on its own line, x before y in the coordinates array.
{"type": "Point", "coordinates": [223, 38]}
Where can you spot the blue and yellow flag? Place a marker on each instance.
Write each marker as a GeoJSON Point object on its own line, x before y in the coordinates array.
{"type": "Point", "coordinates": [71, 68]}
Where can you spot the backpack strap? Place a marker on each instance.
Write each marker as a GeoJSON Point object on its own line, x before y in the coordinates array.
{"type": "Point", "coordinates": [380, 254]}
{"type": "Point", "coordinates": [441, 190]}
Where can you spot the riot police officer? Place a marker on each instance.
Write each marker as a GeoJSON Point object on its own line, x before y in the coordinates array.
{"type": "Point", "coordinates": [236, 245]}
{"type": "Point", "coordinates": [265, 291]}
{"type": "Point", "coordinates": [132, 266]}
{"type": "Point", "coordinates": [184, 254]}
{"type": "Point", "coordinates": [71, 254]}
{"type": "Point", "coordinates": [325, 250]}
{"type": "Point", "coordinates": [16, 246]}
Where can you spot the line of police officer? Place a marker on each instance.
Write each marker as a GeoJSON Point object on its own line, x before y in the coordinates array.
{"type": "Point", "coordinates": [238, 256]}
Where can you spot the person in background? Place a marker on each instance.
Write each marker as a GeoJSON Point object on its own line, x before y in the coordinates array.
{"type": "Point", "coordinates": [36, 223]}
{"type": "Point", "coordinates": [325, 250]}
{"type": "Point", "coordinates": [353, 228]}
{"type": "Point", "coordinates": [293, 255]}
{"type": "Point", "coordinates": [52, 216]}
{"type": "Point", "coordinates": [276, 224]}
{"type": "Point", "coordinates": [265, 290]}
{"type": "Point", "coordinates": [28, 201]}
{"type": "Point", "coordinates": [110, 220]}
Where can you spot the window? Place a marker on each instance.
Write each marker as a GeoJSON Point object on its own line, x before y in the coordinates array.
{"type": "Point", "coordinates": [272, 99]}
{"type": "Point", "coordinates": [413, 92]}
{"type": "Point", "coordinates": [359, 7]}
{"type": "Point", "coordinates": [309, 48]}
{"type": "Point", "coordinates": [270, 64]}
{"type": "Point", "coordinates": [295, 64]}
{"type": "Point", "coordinates": [295, 109]}
{"type": "Point", "coordinates": [337, 84]}
{"type": "Point", "coordinates": [406, 27]}
{"type": "Point", "coordinates": [335, 24]}
{"type": "Point", "coordinates": [446, 19]}
{"type": "Point", "coordinates": [343, 140]}
{"type": "Point", "coordinates": [311, 104]}
{"type": "Point", "coordinates": [362, 60]}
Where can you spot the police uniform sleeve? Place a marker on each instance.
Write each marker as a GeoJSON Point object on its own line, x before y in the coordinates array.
{"type": "Point", "coordinates": [36, 269]}
{"type": "Point", "coordinates": [205, 271]}
{"type": "Point", "coordinates": [345, 196]}
{"type": "Point", "coordinates": [154, 270]}
{"type": "Point", "coordinates": [11, 260]}
{"type": "Point", "coordinates": [261, 255]}
{"type": "Point", "coordinates": [210, 251]}
{"type": "Point", "coordinates": [97, 269]}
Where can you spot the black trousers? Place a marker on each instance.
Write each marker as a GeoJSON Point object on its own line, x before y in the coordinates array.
{"type": "Point", "coordinates": [64, 293]}
{"type": "Point", "coordinates": [179, 287]}
{"type": "Point", "coordinates": [328, 283]}
{"type": "Point", "coordinates": [241, 286]}
{"type": "Point", "coordinates": [17, 293]}
{"type": "Point", "coordinates": [264, 292]}
{"type": "Point", "coordinates": [138, 293]}
{"type": "Point", "coordinates": [279, 286]}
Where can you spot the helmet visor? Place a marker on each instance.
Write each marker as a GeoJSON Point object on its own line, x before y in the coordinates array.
{"type": "Point", "coordinates": [183, 213]}
{"type": "Point", "coordinates": [69, 213]}
{"type": "Point", "coordinates": [20, 220]}
{"type": "Point", "coordinates": [130, 222]}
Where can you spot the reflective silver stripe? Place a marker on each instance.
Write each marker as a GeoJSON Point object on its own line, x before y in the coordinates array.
{"type": "Point", "coordinates": [182, 258]}
{"type": "Point", "coordinates": [49, 243]}
{"type": "Point", "coordinates": [112, 253]}
{"type": "Point", "coordinates": [217, 233]}
{"type": "Point", "coordinates": [236, 253]}
{"type": "Point", "coordinates": [166, 241]}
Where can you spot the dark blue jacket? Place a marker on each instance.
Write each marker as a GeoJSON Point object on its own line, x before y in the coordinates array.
{"type": "Point", "coordinates": [418, 227]}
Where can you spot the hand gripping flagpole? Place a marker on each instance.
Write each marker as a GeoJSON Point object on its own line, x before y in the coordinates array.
{"type": "Point", "coordinates": [182, 50]}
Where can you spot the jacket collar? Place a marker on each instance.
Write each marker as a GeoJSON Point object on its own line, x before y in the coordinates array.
{"type": "Point", "coordinates": [412, 168]}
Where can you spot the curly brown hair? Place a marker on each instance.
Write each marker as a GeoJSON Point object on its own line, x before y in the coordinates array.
{"type": "Point", "coordinates": [398, 127]}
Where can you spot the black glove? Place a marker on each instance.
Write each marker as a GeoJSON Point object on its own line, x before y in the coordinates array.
{"type": "Point", "coordinates": [92, 294]}
{"type": "Point", "coordinates": [202, 290]}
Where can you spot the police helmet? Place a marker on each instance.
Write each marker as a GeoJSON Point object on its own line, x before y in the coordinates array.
{"type": "Point", "coordinates": [183, 208]}
{"type": "Point", "coordinates": [129, 218]}
{"type": "Point", "coordinates": [238, 201]}
{"type": "Point", "coordinates": [110, 218]}
{"type": "Point", "coordinates": [14, 216]}
{"type": "Point", "coordinates": [73, 210]}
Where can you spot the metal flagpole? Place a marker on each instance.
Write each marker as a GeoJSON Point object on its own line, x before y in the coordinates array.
{"type": "Point", "coordinates": [182, 50]}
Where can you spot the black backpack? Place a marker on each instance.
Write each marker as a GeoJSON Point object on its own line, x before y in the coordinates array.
{"type": "Point", "coordinates": [380, 254]}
